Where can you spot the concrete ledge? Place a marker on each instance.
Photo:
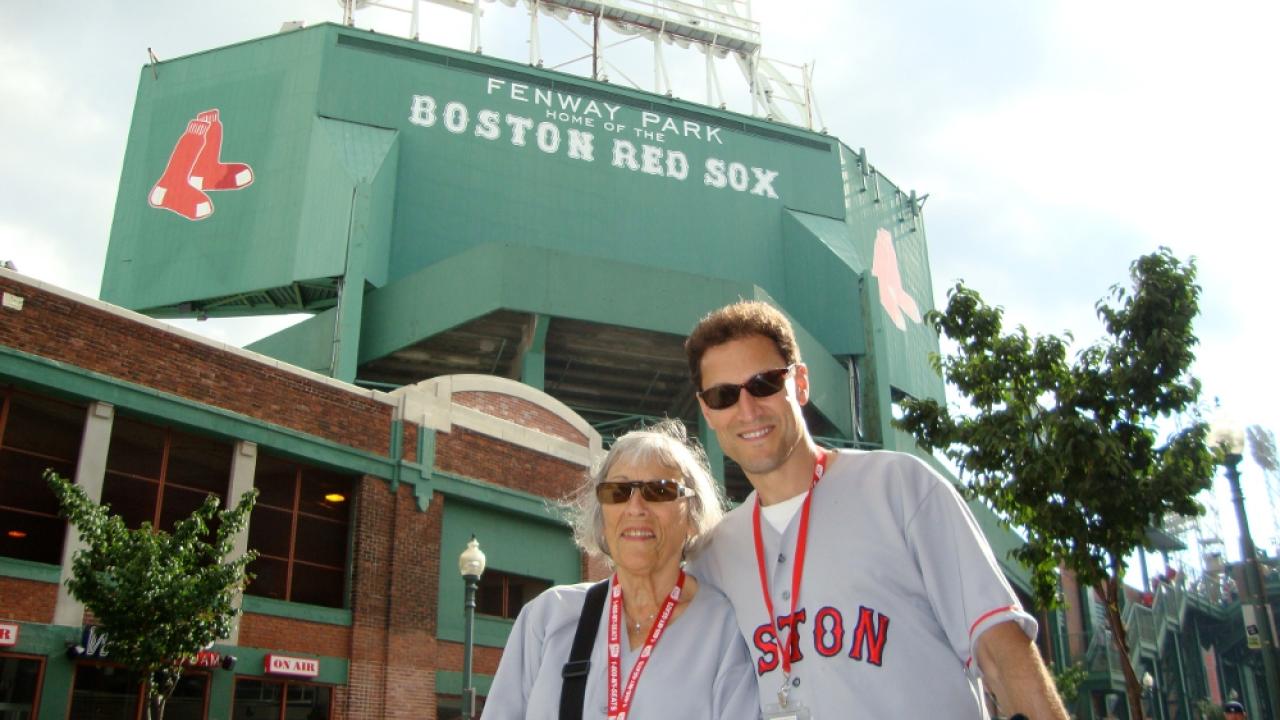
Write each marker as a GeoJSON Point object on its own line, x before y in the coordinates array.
{"type": "Point", "coordinates": [232, 349]}
{"type": "Point", "coordinates": [430, 404]}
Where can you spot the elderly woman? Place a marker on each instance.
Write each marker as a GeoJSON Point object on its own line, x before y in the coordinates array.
{"type": "Point", "coordinates": [665, 646]}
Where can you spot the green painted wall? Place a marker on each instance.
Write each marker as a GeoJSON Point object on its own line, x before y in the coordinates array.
{"type": "Point", "coordinates": [265, 92]}
{"type": "Point", "coordinates": [459, 189]}
{"type": "Point", "coordinates": [505, 539]}
{"type": "Point", "coordinates": [51, 642]}
{"type": "Point", "coordinates": [872, 205]}
{"type": "Point", "coordinates": [386, 160]}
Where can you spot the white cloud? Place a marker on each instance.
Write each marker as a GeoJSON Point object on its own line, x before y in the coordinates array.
{"type": "Point", "coordinates": [46, 258]}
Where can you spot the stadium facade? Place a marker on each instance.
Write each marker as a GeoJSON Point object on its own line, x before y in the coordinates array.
{"type": "Point", "coordinates": [500, 263]}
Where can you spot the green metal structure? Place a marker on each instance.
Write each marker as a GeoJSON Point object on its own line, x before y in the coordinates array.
{"type": "Point", "coordinates": [441, 212]}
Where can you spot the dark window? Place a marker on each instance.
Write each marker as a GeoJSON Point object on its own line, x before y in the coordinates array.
{"type": "Point", "coordinates": [299, 528]}
{"type": "Point", "coordinates": [19, 686]}
{"type": "Point", "coordinates": [36, 434]}
{"type": "Point", "coordinates": [503, 594]}
{"type": "Point", "coordinates": [280, 700]}
{"type": "Point", "coordinates": [449, 707]}
{"type": "Point", "coordinates": [189, 700]}
{"type": "Point", "coordinates": [109, 692]}
{"type": "Point", "coordinates": [159, 475]}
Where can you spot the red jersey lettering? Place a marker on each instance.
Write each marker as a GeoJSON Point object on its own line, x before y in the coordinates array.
{"type": "Point", "coordinates": [790, 625]}
{"type": "Point", "coordinates": [870, 633]}
{"type": "Point", "coordinates": [767, 643]}
{"type": "Point", "coordinates": [828, 632]}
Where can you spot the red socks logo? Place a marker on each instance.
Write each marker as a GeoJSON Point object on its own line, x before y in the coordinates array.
{"type": "Point", "coordinates": [895, 300]}
{"type": "Point", "coordinates": [196, 167]}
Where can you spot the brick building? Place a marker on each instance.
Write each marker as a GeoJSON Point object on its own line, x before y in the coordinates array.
{"type": "Point", "coordinates": [359, 587]}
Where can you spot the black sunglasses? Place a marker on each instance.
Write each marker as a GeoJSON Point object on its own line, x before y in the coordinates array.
{"type": "Point", "coordinates": [611, 493]}
{"type": "Point", "coordinates": [769, 382]}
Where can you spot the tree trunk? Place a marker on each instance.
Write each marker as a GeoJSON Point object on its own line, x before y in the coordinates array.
{"type": "Point", "coordinates": [1110, 591]}
{"type": "Point", "coordinates": [158, 692]}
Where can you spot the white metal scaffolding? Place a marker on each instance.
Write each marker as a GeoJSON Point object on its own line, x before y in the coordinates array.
{"type": "Point", "coordinates": [779, 91]}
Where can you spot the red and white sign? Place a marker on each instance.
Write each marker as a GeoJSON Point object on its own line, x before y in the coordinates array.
{"type": "Point", "coordinates": [196, 167]}
{"type": "Point", "coordinates": [205, 659]}
{"type": "Point", "coordinates": [292, 666]}
{"type": "Point", "coordinates": [8, 634]}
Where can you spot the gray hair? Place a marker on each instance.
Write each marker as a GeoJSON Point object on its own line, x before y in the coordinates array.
{"type": "Point", "coordinates": [665, 443]}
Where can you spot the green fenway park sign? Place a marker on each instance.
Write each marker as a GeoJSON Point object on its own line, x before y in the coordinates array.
{"type": "Point", "coordinates": [279, 174]}
{"type": "Point", "coordinates": [572, 124]}
{"type": "Point", "coordinates": [267, 163]}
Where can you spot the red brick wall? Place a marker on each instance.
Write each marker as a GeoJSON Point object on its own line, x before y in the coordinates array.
{"type": "Point", "coordinates": [484, 660]}
{"type": "Point", "coordinates": [521, 412]}
{"type": "Point", "coordinates": [396, 567]}
{"type": "Point", "coordinates": [409, 442]}
{"type": "Point", "coordinates": [292, 635]}
{"type": "Point", "coordinates": [62, 329]}
{"type": "Point", "coordinates": [482, 457]}
{"type": "Point", "coordinates": [594, 569]}
{"type": "Point", "coordinates": [27, 600]}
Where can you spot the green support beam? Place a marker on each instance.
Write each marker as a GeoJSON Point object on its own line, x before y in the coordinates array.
{"type": "Point", "coordinates": [533, 352]}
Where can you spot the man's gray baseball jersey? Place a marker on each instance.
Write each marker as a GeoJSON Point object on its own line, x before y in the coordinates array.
{"type": "Point", "coordinates": [699, 669]}
{"type": "Point", "coordinates": [898, 585]}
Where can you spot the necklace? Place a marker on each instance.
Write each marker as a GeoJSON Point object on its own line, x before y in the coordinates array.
{"type": "Point", "coordinates": [638, 625]}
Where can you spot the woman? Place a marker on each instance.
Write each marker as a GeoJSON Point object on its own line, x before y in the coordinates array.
{"type": "Point", "coordinates": [645, 508]}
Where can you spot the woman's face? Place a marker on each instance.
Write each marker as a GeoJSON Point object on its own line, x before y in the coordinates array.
{"type": "Point", "coordinates": [645, 537]}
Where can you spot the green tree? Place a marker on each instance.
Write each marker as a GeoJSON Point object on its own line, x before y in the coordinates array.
{"type": "Point", "coordinates": [161, 597]}
{"type": "Point", "coordinates": [1068, 680]}
{"type": "Point", "coordinates": [1070, 452]}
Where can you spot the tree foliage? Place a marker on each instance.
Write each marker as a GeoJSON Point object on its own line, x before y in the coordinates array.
{"type": "Point", "coordinates": [1068, 681]}
{"type": "Point", "coordinates": [1071, 451]}
{"type": "Point", "coordinates": [161, 597]}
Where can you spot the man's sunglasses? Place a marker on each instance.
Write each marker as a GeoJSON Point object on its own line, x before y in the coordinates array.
{"type": "Point", "coordinates": [769, 382]}
{"type": "Point", "coordinates": [612, 493]}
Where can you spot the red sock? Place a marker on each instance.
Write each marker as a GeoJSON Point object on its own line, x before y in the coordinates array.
{"type": "Point", "coordinates": [209, 172]}
{"type": "Point", "coordinates": [172, 191]}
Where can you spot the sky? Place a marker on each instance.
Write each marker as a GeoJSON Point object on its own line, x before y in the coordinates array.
{"type": "Point", "coordinates": [1057, 140]}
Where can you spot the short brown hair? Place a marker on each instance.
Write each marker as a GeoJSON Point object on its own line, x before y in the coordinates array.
{"type": "Point", "coordinates": [739, 320]}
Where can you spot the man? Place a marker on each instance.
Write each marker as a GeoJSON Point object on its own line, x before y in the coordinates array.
{"type": "Point", "coordinates": [1234, 711]}
{"type": "Point", "coordinates": [859, 579]}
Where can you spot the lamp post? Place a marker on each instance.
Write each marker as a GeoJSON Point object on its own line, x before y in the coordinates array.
{"type": "Point", "coordinates": [471, 565]}
{"type": "Point", "coordinates": [1148, 694]}
{"type": "Point", "coordinates": [1230, 439]}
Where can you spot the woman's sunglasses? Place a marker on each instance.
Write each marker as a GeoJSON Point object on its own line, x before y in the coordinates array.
{"type": "Point", "coordinates": [612, 493]}
{"type": "Point", "coordinates": [769, 382]}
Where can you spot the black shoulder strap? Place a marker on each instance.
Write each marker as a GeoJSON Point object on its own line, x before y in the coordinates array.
{"type": "Point", "coordinates": [574, 690]}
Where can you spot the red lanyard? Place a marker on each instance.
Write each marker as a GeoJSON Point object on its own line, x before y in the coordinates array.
{"type": "Point", "coordinates": [797, 570]}
{"type": "Point", "coordinates": [620, 703]}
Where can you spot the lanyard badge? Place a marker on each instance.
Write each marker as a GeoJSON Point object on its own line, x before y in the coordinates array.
{"type": "Point", "coordinates": [784, 709]}
{"type": "Point", "coordinates": [620, 698]}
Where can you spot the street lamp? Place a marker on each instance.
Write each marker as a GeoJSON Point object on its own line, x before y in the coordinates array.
{"type": "Point", "coordinates": [1229, 438]}
{"type": "Point", "coordinates": [471, 565]}
{"type": "Point", "coordinates": [1148, 692]}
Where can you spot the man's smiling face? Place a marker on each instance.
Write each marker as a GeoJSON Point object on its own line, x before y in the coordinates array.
{"type": "Point", "coordinates": [760, 434]}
